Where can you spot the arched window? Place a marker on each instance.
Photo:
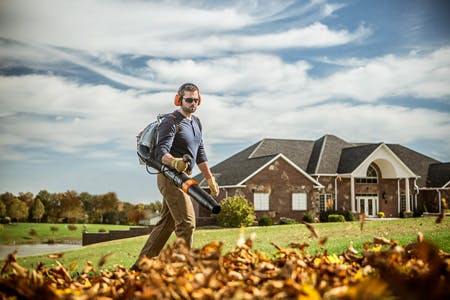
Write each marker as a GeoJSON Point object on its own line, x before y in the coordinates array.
{"type": "Point", "coordinates": [371, 176]}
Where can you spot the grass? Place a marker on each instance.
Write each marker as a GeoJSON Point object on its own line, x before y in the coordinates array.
{"type": "Point", "coordinates": [124, 252]}
{"type": "Point", "coordinates": [19, 233]}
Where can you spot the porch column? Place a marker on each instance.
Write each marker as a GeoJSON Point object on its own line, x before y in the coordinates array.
{"type": "Point", "coordinates": [398, 196]}
{"type": "Point", "coordinates": [408, 204]}
{"type": "Point", "coordinates": [440, 200]}
{"type": "Point", "coordinates": [352, 193]}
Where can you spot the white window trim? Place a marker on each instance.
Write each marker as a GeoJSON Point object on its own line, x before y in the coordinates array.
{"type": "Point", "coordinates": [261, 201]}
{"type": "Point", "coordinates": [299, 201]}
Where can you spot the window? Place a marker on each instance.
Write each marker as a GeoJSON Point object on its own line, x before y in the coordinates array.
{"type": "Point", "coordinates": [325, 202]}
{"type": "Point", "coordinates": [299, 201]}
{"type": "Point", "coordinates": [403, 202]}
{"type": "Point", "coordinates": [371, 176]}
{"type": "Point", "coordinates": [261, 201]}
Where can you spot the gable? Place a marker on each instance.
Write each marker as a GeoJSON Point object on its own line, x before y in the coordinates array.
{"type": "Point", "coordinates": [391, 166]}
{"type": "Point", "coordinates": [281, 156]}
{"type": "Point", "coordinates": [330, 155]}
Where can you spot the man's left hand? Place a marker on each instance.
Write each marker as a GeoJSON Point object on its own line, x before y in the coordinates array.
{"type": "Point", "coordinates": [213, 187]}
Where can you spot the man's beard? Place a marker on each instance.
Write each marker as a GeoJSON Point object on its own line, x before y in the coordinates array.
{"type": "Point", "coordinates": [189, 110]}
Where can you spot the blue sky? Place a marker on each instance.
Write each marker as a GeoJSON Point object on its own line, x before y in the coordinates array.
{"type": "Point", "coordinates": [78, 80]}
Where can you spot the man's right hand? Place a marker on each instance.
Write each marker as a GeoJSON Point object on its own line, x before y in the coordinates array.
{"type": "Point", "coordinates": [179, 164]}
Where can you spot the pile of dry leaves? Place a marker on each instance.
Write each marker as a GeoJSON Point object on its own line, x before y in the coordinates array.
{"type": "Point", "coordinates": [385, 270]}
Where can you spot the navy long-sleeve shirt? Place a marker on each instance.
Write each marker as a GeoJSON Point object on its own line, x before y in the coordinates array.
{"type": "Point", "coordinates": [186, 139]}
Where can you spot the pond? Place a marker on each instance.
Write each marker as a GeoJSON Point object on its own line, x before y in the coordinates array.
{"type": "Point", "coordinates": [35, 249]}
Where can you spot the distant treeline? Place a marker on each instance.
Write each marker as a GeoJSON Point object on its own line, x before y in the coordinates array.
{"type": "Point", "coordinates": [72, 207]}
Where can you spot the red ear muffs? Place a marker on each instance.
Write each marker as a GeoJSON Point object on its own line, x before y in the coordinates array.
{"type": "Point", "coordinates": [179, 96]}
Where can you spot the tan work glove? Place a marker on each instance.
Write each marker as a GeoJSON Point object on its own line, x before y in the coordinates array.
{"type": "Point", "coordinates": [213, 187]}
{"type": "Point", "coordinates": [179, 164]}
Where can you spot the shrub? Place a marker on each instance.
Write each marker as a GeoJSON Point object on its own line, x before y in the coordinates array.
{"type": "Point", "coordinates": [236, 212]}
{"type": "Point", "coordinates": [102, 230]}
{"type": "Point", "coordinates": [336, 218]}
{"type": "Point", "coordinates": [72, 227]}
{"type": "Point", "coordinates": [308, 218]}
{"type": "Point", "coordinates": [6, 220]}
{"type": "Point", "coordinates": [380, 214]}
{"type": "Point", "coordinates": [418, 212]}
{"type": "Point", "coordinates": [265, 221]}
{"type": "Point", "coordinates": [348, 215]}
{"type": "Point", "coordinates": [284, 221]}
{"type": "Point", "coordinates": [33, 232]}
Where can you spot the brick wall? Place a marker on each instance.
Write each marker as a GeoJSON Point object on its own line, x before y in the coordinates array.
{"type": "Point", "coordinates": [99, 237]}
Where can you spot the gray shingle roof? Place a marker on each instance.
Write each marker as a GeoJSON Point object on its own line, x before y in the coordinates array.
{"type": "Point", "coordinates": [352, 157]}
{"type": "Point", "coordinates": [327, 155]}
{"type": "Point", "coordinates": [417, 162]}
{"type": "Point", "coordinates": [297, 151]}
{"type": "Point", "coordinates": [238, 167]}
{"type": "Point", "coordinates": [438, 175]}
{"type": "Point", "coordinates": [331, 154]}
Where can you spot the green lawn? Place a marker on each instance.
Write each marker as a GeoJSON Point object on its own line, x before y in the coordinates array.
{"type": "Point", "coordinates": [339, 236]}
{"type": "Point", "coordinates": [19, 233]}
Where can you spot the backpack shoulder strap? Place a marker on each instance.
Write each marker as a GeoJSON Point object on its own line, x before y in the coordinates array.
{"type": "Point", "coordinates": [198, 121]}
{"type": "Point", "coordinates": [177, 117]}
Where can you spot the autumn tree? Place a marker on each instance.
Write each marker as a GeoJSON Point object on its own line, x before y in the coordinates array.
{"type": "Point", "coordinates": [7, 198]}
{"type": "Point", "coordinates": [88, 204]}
{"type": "Point", "coordinates": [27, 198]}
{"type": "Point", "coordinates": [71, 208]}
{"type": "Point", "coordinates": [2, 209]}
{"type": "Point", "coordinates": [37, 210]}
{"type": "Point", "coordinates": [18, 210]}
{"type": "Point", "coordinates": [136, 214]}
{"type": "Point", "coordinates": [44, 196]}
{"type": "Point", "coordinates": [53, 208]}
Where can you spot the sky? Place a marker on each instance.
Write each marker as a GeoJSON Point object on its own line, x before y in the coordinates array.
{"type": "Point", "coordinates": [79, 79]}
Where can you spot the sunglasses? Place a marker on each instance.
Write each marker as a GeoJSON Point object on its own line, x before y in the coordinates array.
{"type": "Point", "coordinates": [190, 100]}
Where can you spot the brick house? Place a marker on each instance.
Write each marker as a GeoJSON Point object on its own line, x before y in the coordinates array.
{"type": "Point", "coordinates": [288, 178]}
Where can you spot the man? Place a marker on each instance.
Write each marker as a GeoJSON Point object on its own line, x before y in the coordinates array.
{"type": "Point", "coordinates": [178, 135]}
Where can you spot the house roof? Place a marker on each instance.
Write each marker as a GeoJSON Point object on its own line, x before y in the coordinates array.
{"type": "Point", "coordinates": [238, 167]}
{"type": "Point", "coordinates": [327, 155]}
{"type": "Point", "coordinates": [326, 160]}
{"type": "Point", "coordinates": [417, 162]}
{"type": "Point", "coordinates": [438, 175]}
{"type": "Point", "coordinates": [352, 157]}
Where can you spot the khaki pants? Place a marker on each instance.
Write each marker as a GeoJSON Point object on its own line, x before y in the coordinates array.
{"type": "Point", "coordinates": [177, 214]}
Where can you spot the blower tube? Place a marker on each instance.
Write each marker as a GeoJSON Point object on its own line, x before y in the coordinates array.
{"type": "Point", "coordinates": [181, 180]}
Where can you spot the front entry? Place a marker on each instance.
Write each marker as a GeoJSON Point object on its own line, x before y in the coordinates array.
{"type": "Point", "coordinates": [367, 205]}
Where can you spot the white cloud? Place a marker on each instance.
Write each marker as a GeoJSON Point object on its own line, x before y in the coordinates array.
{"type": "Point", "coordinates": [255, 95]}
{"type": "Point", "coordinates": [164, 29]}
{"type": "Point", "coordinates": [56, 115]}
{"type": "Point", "coordinates": [413, 75]}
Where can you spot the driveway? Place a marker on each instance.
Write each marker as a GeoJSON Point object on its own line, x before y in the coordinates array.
{"type": "Point", "coordinates": [35, 249]}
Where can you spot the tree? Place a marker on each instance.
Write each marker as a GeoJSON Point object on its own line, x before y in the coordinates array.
{"type": "Point", "coordinates": [155, 206]}
{"type": "Point", "coordinates": [2, 209]}
{"type": "Point", "coordinates": [88, 204]}
{"type": "Point", "coordinates": [236, 212]}
{"type": "Point", "coordinates": [53, 208]}
{"type": "Point", "coordinates": [37, 210]}
{"type": "Point", "coordinates": [27, 198]}
{"type": "Point", "coordinates": [18, 210]}
{"type": "Point", "coordinates": [44, 196]}
{"type": "Point", "coordinates": [71, 208]}
{"type": "Point", "coordinates": [136, 214]}
{"type": "Point", "coordinates": [7, 198]}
